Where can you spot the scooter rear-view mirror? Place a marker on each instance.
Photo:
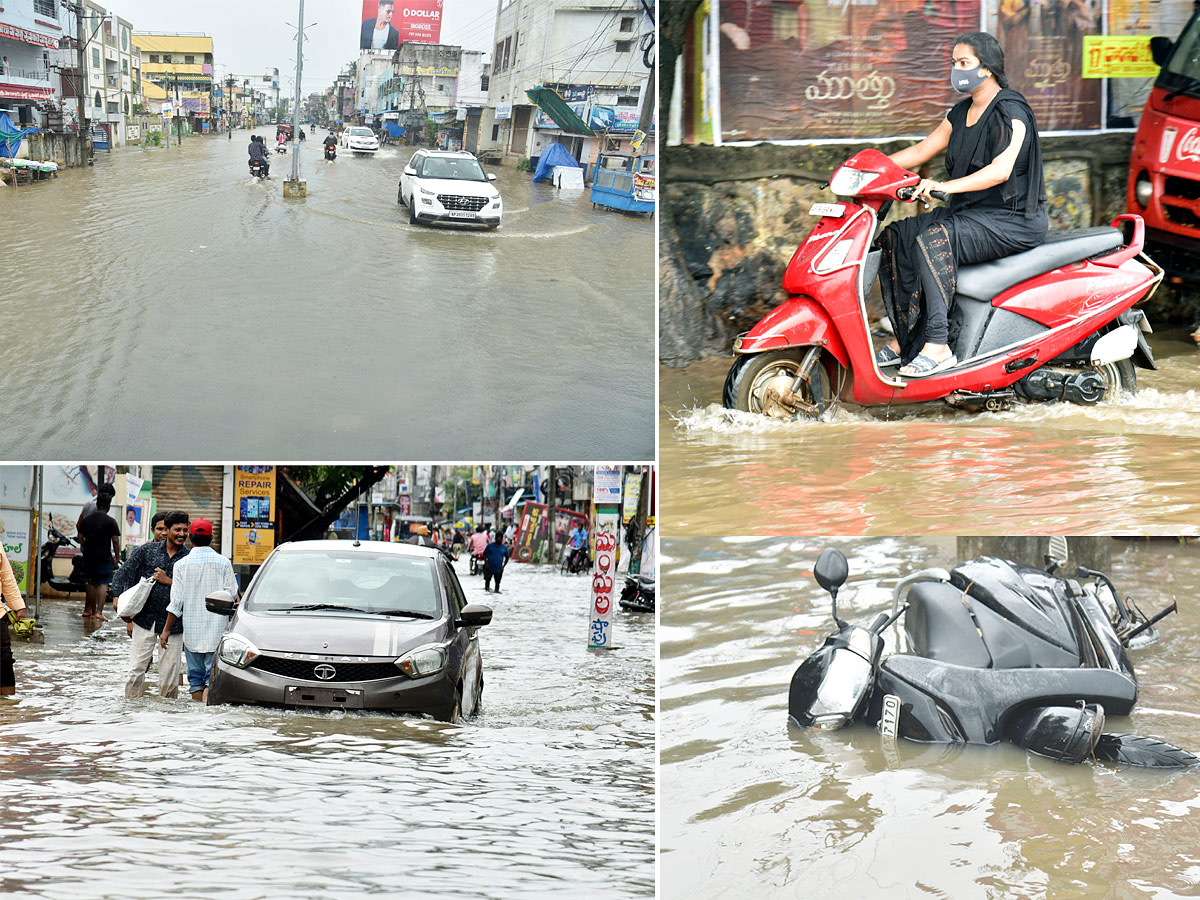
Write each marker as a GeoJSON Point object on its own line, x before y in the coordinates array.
{"type": "Point", "coordinates": [831, 571]}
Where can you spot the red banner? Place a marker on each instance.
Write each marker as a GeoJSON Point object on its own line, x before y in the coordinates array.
{"type": "Point", "coordinates": [25, 92]}
{"type": "Point", "coordinates": [29, 37]}
{"type": "Point", "coordinates": [385, 25]}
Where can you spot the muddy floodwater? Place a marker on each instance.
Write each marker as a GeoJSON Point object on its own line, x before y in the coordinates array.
{"type": "Point", "coordinates": [1125, 466]}
{"type": "Point", "coordinates": [549, 792]}
{"type": "Point", "coordinates": [163, 304]}
{"type": "Point", "coordinates": [751, 808]}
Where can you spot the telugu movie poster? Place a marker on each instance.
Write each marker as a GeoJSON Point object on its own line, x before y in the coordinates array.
{"type": "Point", "coordinates": [1043, 56]}
{"type": "Point", "coordinates": [805, 69]}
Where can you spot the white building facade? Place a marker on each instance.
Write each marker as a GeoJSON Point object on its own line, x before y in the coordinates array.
{"type": "Point", "coordinates": [590, 55]}
{"type": "Point", "coordinates": [30, 31]}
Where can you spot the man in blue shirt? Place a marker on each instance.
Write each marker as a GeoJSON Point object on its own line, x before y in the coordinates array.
{"type": "Point", "coordinates": [495, 558]}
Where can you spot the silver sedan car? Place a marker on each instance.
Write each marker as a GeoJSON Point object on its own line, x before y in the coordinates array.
{"type": "Point", "coordinates": [352, 625]}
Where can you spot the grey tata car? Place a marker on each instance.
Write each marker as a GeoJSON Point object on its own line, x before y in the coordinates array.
{"type": "Point", "coordinates": [352, 625]}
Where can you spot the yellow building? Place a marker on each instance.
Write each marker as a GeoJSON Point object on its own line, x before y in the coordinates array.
{"type": "Point", "coordinates": [182, 62]}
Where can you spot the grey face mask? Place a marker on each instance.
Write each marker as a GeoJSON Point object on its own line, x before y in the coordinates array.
{"type": "Point", "coordinates": [966, 80]}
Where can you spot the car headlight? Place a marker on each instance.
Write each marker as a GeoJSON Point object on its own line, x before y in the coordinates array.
{"type": "Point", "coordinates": [237, 651]}
{"type": "Point", "coordinates": [426, 193]}
{"type": "Point", "coordinates": [422, 661]}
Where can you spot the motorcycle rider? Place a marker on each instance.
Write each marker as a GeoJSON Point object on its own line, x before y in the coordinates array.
{"type": "Point", "coordinates": [330, 143]}
{"type": "Point", "coordinates": [258, 152]}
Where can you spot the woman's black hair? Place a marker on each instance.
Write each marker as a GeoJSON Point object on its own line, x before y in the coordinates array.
{"type": "Point", "coordinates": [988, 51]}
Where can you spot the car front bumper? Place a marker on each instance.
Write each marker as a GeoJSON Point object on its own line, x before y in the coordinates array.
{"type": "Point", "coordinates": [483, 217]}
{"type": "Point", "coordinates": [432, 695]}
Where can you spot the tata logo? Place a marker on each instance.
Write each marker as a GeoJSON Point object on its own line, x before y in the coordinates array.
{"type": "Point", "coordinates": [324, 672]}
{"type": "Point", "coordinates": [1189, 146]}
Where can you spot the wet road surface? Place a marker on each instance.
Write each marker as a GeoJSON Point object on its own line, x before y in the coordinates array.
{"type": "Point", "coordinates": [549, 792]}
{"type": "Point", "coordinates": [751, 808]}
{"type": "Point", "coordinates": [163, 304]}
{"type": "Point", "coordinates": [1128, 467]}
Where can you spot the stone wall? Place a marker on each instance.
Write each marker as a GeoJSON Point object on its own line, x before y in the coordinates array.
{"type": "Point", "coordinates": [731, 217]}
{"type": "Point", "coordinates": [64, 148]}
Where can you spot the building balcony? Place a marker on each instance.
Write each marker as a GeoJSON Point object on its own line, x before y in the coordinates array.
{"type": "Point", "coordinates": [25, 77]}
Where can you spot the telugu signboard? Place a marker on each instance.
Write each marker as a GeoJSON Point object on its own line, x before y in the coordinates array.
{"type": "Point", "coordinates": [385, 25]}
{"type": "Point", "coordinates": [604, 571]}
{"type": "Point", "coordinates": [1118, 57]}
{"type": "Point", "coordinates": [254, 512]}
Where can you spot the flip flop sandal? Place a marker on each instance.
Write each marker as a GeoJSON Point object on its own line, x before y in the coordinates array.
{"type": "Point", "coordinates": [924, 366]}
{"type": "Point", "coordinates": [886, 357]}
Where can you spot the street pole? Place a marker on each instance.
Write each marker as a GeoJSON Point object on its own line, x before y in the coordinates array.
{"type": "Point", "coordinates": [295, 187]}
{"type": "Point", "coordinates": [551, 499]}
{"type": "Point", "coordinates": [80, 78]}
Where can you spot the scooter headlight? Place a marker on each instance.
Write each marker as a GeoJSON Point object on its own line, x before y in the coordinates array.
{"type": "Point", "coordinates": [1143, 190]}
{"type": "Point", "coordinates": [828, 688]}
{"type": "Point", "coordinates": [848, 182]}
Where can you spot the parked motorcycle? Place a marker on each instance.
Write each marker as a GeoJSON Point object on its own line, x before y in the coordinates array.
{"type": "Point", "coordinates": [996, 651]}
{"type": "Point", "coordinates": [1052, 323]}
{"type": "Point", "coordinates": [46, 555]}
{"type": "Point", "coordinates": [638, 594]}
{"type": "Point", "coordinates": [260, 168]}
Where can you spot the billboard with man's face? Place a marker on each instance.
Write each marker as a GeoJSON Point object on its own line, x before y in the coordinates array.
{"type": "Point", "coordinates": [387, 24]}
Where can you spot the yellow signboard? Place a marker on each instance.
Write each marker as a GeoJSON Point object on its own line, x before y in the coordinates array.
{"type": "Point", "coordinates": [1117, 56]}
{"type": "Point", "coordinates": [254, 512]}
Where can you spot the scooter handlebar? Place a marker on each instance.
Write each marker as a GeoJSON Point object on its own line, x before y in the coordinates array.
{"type": "Point", "coordinates": [908, 194]}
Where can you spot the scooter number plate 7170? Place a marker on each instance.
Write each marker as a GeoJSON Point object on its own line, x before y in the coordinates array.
{"type": "Point", "coordinates": [827, 209]}
{"type": "Point", "coordinates": [889, 722]}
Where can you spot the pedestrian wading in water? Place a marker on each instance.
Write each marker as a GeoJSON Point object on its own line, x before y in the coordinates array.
{"type": "Point", "coordinates": [997, 206]}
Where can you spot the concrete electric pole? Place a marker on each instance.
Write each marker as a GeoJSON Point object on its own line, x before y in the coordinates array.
{"type": "Point", "coordinates": [295, 187]}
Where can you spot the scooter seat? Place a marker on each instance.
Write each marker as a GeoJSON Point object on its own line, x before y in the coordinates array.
{"type": "Point", "coordinates": [987, 280]}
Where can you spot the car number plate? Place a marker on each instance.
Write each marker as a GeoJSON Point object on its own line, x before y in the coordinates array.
{"type": "Point", "coordinates": [326, 698]}
{"type": "Point", "coordinates": [827, 209]}
{"type": "Point", "coordinates": [462, 215]}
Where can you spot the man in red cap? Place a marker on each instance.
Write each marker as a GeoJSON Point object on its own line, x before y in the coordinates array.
{"type": "Point", "coordinates": [199, 574]}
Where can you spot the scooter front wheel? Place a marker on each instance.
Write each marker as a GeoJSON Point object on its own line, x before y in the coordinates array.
{"type": "Point", "coordinates": [762, 383]}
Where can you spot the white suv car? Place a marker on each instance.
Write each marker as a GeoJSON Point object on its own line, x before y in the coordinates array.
{"type": "Point", "coordinates": [449, 186]}
{"type": "Point", "coordinates": [359, 139]}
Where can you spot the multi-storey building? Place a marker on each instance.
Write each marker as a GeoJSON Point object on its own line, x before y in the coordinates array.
{"type": "Point", "coordinates": [182, 66]}
{"type": "Point", "coordinates": [30, 31]}
{"type": "Point", "coordinates": [590, 55]}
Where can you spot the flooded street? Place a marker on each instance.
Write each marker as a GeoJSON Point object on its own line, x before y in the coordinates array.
{"type": "Point", "coordinates": [163, 304]}
{"type": "Point", "coordinates": [752, 808]}
{"type": "Point", "coordinates": [550, 791]}
{"type": "Point", "coordinates": [1128, 466]}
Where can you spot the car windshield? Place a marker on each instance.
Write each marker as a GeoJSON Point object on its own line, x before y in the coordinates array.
{"type": "Point", "coordinates": [361, 132]}
{"type": "Point", "coordinates": [460, 169]}
{"type": "Point", "coordinates": [380, 583]}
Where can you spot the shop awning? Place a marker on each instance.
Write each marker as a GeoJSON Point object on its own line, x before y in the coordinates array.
{"type": "Point", "coordinates": [556, 108]}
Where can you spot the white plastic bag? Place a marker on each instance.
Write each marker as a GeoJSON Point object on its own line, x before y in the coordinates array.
{"type": "Point", "coordinates": [131, 601]}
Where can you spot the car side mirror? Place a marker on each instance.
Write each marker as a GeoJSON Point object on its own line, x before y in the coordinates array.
{"type": "Point", "coordinates": [491, 176]}
{"type": "Point", "coordinates": [410, 171]}
{"type": "Point", "coordinates": [474, 615]}
{"type": "Point", "coordinates": [1160, 49]}
{"type": "Point", "coordinates": [222, 603]}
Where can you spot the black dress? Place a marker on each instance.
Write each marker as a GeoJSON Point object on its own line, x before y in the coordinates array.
{"type": "Point", "coordinates": [921, 254]}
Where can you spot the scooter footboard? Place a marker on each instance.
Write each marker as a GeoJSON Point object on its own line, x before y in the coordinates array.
{"type": "Point", "coordinates": [797, 322]}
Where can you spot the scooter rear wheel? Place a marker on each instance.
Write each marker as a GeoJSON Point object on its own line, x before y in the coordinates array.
{"type": "Point", "coordinates": [1120, 378]}
{"type": "Point", "coordinates": [761, 383]}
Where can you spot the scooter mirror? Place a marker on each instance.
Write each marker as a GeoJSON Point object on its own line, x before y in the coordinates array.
{"type": "Point", "coordinates": [831, 570]}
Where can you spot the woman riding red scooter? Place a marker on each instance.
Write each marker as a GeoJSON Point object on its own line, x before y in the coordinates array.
{"type": "Point", "coordinates": [1052, 323]}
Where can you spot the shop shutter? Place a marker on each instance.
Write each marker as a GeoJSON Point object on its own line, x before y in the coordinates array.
{"type": "Point", "coordinates": [194, 489]}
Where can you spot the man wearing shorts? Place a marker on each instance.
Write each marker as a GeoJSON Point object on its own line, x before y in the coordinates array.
{"type": "Point", "coordinates": [100, 537]}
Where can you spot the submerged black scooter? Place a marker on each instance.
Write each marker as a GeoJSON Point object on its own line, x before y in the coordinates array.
{"type": "Point", "coordinates": [75, 582]}
{"type": "Point", "coordinates": [638, 593]}
{"type": "Point", "coordinates": [996, 651]}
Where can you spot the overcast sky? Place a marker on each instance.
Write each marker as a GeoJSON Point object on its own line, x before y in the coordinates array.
{"type": "Point", "coordinates": [251, 35]}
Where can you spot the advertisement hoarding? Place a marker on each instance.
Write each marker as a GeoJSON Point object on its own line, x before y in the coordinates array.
{"type": "Point", "coordinates": [385, 25]}
{"type": "Point", "coordinates": [254, 512]}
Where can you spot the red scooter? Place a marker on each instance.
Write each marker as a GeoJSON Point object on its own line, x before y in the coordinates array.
{"type": "Point", "coordinates": [1052, 323]}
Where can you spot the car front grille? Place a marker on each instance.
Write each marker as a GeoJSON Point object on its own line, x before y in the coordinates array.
{"type": "Point", "coordinates": [302, 669]}
{"type": "Point", "coordinates": [455, 201]}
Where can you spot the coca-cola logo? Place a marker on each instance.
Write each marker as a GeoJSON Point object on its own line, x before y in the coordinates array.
{"type": "Point", "coordinates": [1189, 146]}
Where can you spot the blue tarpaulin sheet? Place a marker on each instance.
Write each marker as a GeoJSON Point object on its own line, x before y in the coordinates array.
{"type": "Point", "coordinates": [393, 129]}
{"type": "Point", "coordinates": [556, 155]}
{"type": "Point", "coordinates": [11, 136]}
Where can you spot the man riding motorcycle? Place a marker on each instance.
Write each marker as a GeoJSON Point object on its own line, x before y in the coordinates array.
{"type": "Point", "coordinates": [258, 153]}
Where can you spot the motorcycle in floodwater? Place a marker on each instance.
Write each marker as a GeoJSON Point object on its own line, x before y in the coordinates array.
{"type": "Point", "coordinates": [331, 152]}
{"type": "Point", "coordinates": [996, 651]}
{"type": "Point", "coordinates": [260, 168]}
{"type": "Point", "coordinates": [638, 593]}
{"type": "Point", "coordinates": [73, 583]}
{"type": "Point", "coordinates": [1052, 323]}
